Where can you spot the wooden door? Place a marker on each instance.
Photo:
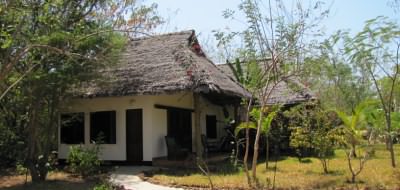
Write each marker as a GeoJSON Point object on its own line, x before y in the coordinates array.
{"type": "Point", "coordinates": [134, 135]}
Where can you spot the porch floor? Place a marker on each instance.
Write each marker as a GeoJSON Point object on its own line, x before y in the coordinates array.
{"type": "Point", "coordinates": [190, 161]}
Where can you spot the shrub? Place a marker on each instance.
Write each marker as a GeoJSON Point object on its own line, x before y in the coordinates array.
{"type": "Point", "coordinates": [313, 132]}
{"type": "Point", "coordinates": [20, 169]}
{"type": "Point", "coordinates": [84, 160]}
{"type": "Point", "coordinates": [103, 186]}
{"type": "Point", "coordinates": [107, 185]}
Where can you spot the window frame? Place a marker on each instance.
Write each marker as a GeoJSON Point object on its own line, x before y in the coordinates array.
{"type": "Point", "coordinates": [75, 131]}
{"type": "Point", "coordinates": [110, 138]}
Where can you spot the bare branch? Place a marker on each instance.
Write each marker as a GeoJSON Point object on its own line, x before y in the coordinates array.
{"type": "Point", "coordinates": [17, 81]}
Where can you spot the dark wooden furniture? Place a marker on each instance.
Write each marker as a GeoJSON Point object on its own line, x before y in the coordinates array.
{"type": "Point", "coordinates": [175, 151]}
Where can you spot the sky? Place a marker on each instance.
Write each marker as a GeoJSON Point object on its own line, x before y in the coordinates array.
{"type": "Point", "coordinates": [204, 16]}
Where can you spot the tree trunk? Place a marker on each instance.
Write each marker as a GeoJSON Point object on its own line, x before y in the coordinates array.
{"type": "Point", "coordinates": [246, 157]}
{"type": "Point", "coordinates": [236, 152]}
{"type": "Point", "coordinates": [197, 129]}
{"type": "Point", "coordinates": [361, 159]}
{"type": "Point", "coordinates": [246, 152]}
{"type": "Point", "coordinates": [353, 176]}
{"type": "Point", "coordinates": [392, 156]}
{"type": "Point", "coordinates": [256, 146]}
{"type": "Point", "coordinates": [353, 151]}
{"type": "Point", "coordinates": [43, 172]}
{"type": "Point", "coordinates": [34, 175]}
{"type": "Point", "coordinates": [32, 143]}
{"type": "Point", "coordinates": [266, 152]}
{"type": "Point", "coordinates": [324, 165]}
{"type": "Point", "coordinates": [389, 140]}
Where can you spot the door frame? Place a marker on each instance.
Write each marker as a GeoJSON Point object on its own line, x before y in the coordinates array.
{"type": "Point", "coordinates": [128, 137]}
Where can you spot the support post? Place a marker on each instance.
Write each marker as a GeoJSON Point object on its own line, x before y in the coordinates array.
{"type": "Point", "coordinates": [197, 128]}
{"type": "Point", "coordinates": [236, 115]}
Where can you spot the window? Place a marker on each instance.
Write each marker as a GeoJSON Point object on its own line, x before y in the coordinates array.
{"type": "Point", "coordinates": [102, 127]}
{"type": "Point", "coordinates": [72, 128]}
{"type": "Point", "coordinates": [211, 126]}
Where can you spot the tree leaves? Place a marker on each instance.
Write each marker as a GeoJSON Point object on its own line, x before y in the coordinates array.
{"type": "Point", "coordinates": [357, 121]}
{"type": "Point", "coordinates": [314, 128]}
{"type": "Point", "coordinates": [51, 47]}
{"type": "Point", "coordinates": [255, 115]}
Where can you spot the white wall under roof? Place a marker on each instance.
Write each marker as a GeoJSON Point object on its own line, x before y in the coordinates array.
{"type": "Point", "coordinates": [154, 121]}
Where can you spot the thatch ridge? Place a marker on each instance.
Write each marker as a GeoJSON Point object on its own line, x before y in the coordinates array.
{"type": "Point", "coordinates": [163, 64]}
{"type": "Point", "coordinates": [145, 37]}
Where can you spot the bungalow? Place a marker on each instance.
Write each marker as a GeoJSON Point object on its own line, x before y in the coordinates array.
{"type": "Point", "coordinates": [162, 86]}
{"type": "Point", "coordinates": [288, 91]}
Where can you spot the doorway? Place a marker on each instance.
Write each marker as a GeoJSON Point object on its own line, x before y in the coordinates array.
{"type": "Point", "coordinates": [180, 127]}
{"type": "Point", "coordinates": [134, 135]}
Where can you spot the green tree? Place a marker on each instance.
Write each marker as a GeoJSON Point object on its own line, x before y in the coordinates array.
{"type": "Point", "coordinates": [47, 48]}
{"type": "Point", "coordinates": [275, 42]}
{"type": "Point", "coordinates": [271, 113]}
{"type": "Point", "coordinates": [249, 74]}
{"type": "Point", "coordinates": [333, 78]}
{"type": "Point", "coordinates": [375, 51]}
{"type": "Point", "coordinates": [386, 85]}
{"type": "Point", "coordinates": [376, 121]}
{"type": "Point", "coordinates": [313, 131]}
{"type": "Point", "coordinates": [352, 128]}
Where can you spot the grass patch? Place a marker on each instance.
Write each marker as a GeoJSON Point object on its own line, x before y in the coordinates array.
{"type": "Point", "coordinates": [291, 173]}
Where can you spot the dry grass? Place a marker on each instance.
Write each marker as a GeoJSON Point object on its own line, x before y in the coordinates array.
{"type": "Point", "coordinates": [55, 181]}
{"type": "Point", "coordinates": [291, 174]}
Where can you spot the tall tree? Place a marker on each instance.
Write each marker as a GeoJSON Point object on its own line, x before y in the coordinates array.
{"type": "Point", "coordinates": [274, 39]}
{"type": "Point", "coordinates": [49, 47]}
{"type": "Point", "coordinates": [376, 51]}
{"type": "Point", "coordinates": [331, 75]}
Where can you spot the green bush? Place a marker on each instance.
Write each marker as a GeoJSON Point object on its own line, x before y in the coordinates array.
{"type": "Point", "coordinates": [107, 185]}
{"type": "Point", "coordinates": [313, 132]}
{"type": "Point", "coordinates": [84, 160]}
{"type": "Point", "coordinates": [12, 145]}
{"type": "Point", "coordinates": [20, 169]}
{"type": "Point", "coordinates": [103, 186]}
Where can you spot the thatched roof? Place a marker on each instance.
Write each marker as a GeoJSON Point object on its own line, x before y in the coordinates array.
{"type": "Point", "coordinates": [164, 64]}
{"type": "Point", "coordinates": [287, 91]}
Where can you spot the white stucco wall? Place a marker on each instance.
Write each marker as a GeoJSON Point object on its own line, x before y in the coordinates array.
{"type": "Point", "coordinates": [154, 121]}
{"type": "Point", "coordinates": [181, 100]}
{"type": "Point", "coordinates": [209, 108]}
{"type": "Point", "coordinates": [120, 105]}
